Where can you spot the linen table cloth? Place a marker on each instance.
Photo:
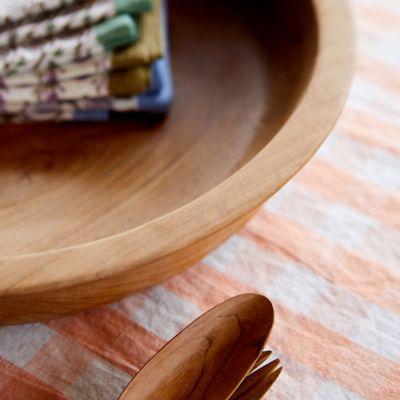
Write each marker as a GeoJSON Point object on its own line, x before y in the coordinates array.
{"type": "Point", "coordinates": [325, 250]}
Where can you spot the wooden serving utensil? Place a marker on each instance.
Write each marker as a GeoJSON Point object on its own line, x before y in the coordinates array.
{"type": "Point", "coordinates": [212, 356]}
{"type": "Point", "coordinates": [257, 383]}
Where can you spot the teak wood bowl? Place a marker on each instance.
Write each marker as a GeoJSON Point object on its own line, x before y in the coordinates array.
{"type": "Point", "coordinates": [92, 212]}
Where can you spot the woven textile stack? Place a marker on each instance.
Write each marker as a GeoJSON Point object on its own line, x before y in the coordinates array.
{"type": "Point", "coordinates": [82, 59]}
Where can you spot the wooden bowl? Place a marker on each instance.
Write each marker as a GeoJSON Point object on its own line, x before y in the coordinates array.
{"type": "Point", "coordinates": [92, 212]}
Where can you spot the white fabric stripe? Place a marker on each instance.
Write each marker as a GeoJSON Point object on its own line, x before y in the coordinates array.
{"type": "Point", "coordinates": [380, 332]}
{"type": "Point", "coordinates": [331, 390]}
{"type": "Point", "coordinates": [391, 6]}
{"type": "Point", "coordinates": [164, 313]}
{"type": "Point", "coordinates": [366, 95]}
{"type": "Point", "coordinates": [19, 343]}
{"type": "Point", "coordinates": [336, 221]}
{"type": "Point", "coordinates": [100, 381]}
{"type": "Point", "coordinates": [363, 160]}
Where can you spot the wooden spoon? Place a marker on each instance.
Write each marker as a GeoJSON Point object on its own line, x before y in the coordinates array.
{"type": "Point", "coordinates": [211, 357]}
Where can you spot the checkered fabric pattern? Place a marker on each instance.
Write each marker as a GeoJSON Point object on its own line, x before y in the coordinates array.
{"type": "Point", "coordinates": [325, 250]}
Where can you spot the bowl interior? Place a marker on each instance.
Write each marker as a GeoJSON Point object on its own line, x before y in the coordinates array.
{"type": "Point", "coordinates": [239, 72]}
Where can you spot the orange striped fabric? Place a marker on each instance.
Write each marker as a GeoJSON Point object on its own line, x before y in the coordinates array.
{"type": "Point", "coordinates": [327, 255]}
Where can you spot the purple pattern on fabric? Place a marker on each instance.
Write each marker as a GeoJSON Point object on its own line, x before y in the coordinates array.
{"type": "Point", "coordinates": [50, 77]}
{"type": "Point", "coordinates": [52, 97]}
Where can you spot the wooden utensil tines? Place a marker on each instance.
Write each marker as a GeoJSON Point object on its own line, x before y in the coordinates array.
{"type": "Point", "coordinates": [259, 380]}
{"type": "Point", "coordinates": [219, 356]}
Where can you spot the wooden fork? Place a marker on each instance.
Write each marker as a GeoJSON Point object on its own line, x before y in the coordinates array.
{"type": "Point", "coordinates": [259, 380]}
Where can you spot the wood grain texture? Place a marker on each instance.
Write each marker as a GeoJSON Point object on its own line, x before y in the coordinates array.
{"type": "Point", "coordinates": [210, 357]}
{"type": "Point", "coordinates": [91, 213]}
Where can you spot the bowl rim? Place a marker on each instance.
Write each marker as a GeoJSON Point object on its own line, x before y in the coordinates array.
{"type": "Point", "coordinates": [261, 177]}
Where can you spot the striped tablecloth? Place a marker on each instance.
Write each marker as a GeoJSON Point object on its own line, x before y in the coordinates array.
{"type": "Point", "coordinates": [325, 250]}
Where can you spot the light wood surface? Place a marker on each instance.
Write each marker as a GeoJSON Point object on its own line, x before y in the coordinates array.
{"type": "Point", "coordinates": [211, 357]}
{"type": "Point", "coordinates": [92, 212]}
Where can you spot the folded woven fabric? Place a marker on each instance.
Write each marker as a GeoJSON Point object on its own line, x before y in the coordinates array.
{"type": "Point", "coordinates": [70, 19]}
{"type": "Point", "coordinates": [14, 11]}
{"type": "Point", "coordinates": [156, 100]}
{"type": "Point", "coordinates": [115, 32]}
{"type": "Point", "coordinates": [103, 82]}
{"type": "Point", "coordinates": [148, 48]}
{"type": "Point", "coordinates": [124, 82]}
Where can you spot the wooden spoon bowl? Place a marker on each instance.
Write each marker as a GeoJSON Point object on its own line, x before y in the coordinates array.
{"type": "Point", "coordinates": [209, 358]}
{"type": "Point", "coordinates": [92, 212]}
